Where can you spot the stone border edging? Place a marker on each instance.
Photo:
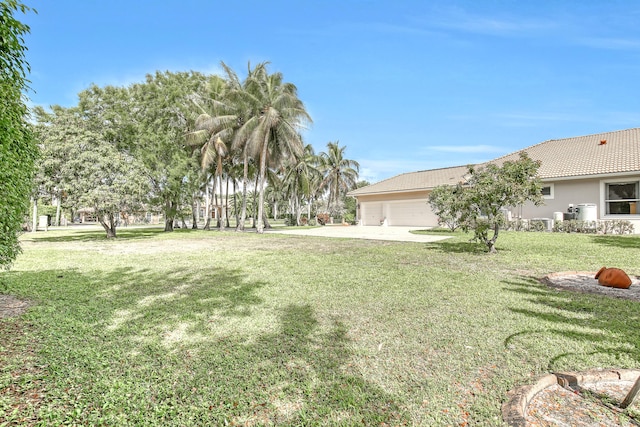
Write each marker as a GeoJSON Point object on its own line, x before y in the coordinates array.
{"type": "Point", "coordinates": [515, 408]}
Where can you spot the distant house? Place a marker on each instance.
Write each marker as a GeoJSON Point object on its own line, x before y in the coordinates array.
{"type": "Point", "coordinates": [598, 173]}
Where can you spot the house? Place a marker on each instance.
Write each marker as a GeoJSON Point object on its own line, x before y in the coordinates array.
{"type": "Point", "coordinates": [600, 174]}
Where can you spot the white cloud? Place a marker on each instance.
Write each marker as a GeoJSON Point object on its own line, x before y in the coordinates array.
{"type": "Point", "coordinates": [463, 21]}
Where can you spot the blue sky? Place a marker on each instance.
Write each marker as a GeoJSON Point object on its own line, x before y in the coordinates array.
{"type": "Point", "coordinates": [404, 85]}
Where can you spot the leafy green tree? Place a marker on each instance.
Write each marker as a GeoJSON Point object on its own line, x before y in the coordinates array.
{"type": "Point", "coordinates": [50, 131]}
{"type": "Point", "coordinates": [160, 110]}
{"type": "Point", "coordinates": [446, 202]}
{"type": "Point", "coordinates": [492, 188]}
{"type": "Point", "coordinates": [340, 173]}
{"type": "Point", "coordinates": [17, 148]}
{"type": "Point", "coordinates": [91, 171]}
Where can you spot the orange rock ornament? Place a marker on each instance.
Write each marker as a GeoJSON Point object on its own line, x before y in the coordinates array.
{"type": "Point", "coordinates": [613, 278]}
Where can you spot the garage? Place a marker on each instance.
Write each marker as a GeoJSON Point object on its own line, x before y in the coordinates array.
{"type": "Point", "coordinates": [403, 200]}
{"type": "Point", "coordinates": [371, 213]}
{"type": "Point", "coordinates": [410, 213]}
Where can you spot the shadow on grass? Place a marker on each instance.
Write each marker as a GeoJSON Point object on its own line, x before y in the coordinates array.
{"type": "Point", "coordinates": [437, 231]}
{"type": "Point", "coordinates": [95, 234]}
{"type": "Point", "coordinates": [623, 242]}
{"type": "Point", "coordinates": [189, 347]}
{"type": "Point", "coordinates": [445, 246]}
{"type": "Point", "coordinates": [603, 330]}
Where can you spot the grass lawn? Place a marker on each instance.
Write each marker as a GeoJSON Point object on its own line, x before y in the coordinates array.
{"type": "Point", "coordinates": [210, 328]}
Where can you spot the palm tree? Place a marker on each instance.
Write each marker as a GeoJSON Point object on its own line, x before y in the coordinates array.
{"type": "Point", "coordinates": [340, 174]}
{"type": "Point", "coordinates": [270, 132]}
{"type": "Point", "coordinates": [211, 126]}
{"type": "Point", "coordinates": [299, 179]}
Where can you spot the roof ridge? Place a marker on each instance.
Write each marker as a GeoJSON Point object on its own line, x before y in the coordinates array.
{"type": "Point", "coordinates": [559, 139]}
{"type": "Point", "coordinates": [422, 171]}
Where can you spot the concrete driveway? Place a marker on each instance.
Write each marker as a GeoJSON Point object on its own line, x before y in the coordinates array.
{"type": "Point", "coordinates": [400, 234]}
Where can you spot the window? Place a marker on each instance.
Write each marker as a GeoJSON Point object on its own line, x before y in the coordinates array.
{"type": "Point", "coordinates": [621, 198]}
{"type": "Point", "coordinates": [547, 191]}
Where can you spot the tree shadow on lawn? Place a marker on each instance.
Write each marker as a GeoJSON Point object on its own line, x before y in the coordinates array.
{"type": "Point", "coordinates": [446, 246]}
{"type": "Point", "coordinates": [585, 328]}
{"type": "Point", "coordinates": [203, 345]}
{"type": "Point", "coordinates": [95, 234]}
{"type": "Point", "coordinates": [624, 242]}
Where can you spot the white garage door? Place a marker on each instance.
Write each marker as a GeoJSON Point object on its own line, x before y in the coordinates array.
{"type": "Point", "coordinates": [411, 213]}
{"type": "Point", "coordinates": [371, 213]}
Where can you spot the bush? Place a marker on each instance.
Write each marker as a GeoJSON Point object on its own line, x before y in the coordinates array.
{"type": "Point", "coordinates": [323, 218]}
{"type": "Point", "coordinates": [349, 218]}
{"type": "Point", "coordinates": [574, 226]}
{"type": "Point", "coordinates": [289, 219]}
{"type": "Point", "coordinates": [615, 227]}
{"type": "Point", "coordinates": [536, 225]}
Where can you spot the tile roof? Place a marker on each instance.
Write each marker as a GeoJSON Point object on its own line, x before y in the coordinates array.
{"type": "Point", "coordinates": [602, 153]}
{"type": "Point", "coordinates": [413, 181]}
{"type": "Point", "coordinates": [579, 156]}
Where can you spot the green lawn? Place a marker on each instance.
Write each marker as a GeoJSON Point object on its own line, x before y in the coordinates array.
{"type": "Point", "coordinates": [210, 328]}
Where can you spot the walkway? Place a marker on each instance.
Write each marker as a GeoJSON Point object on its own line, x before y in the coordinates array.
{"type": "Point", "coordinates": [400, 234]}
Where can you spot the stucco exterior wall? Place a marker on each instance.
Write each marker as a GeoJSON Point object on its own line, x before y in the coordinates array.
{"type": "Point", "coordinates": [577, 192]}
{"type": "Point", "coordinates": [400, 208]}
{"type": "Point", "coordinates": [564, 193]}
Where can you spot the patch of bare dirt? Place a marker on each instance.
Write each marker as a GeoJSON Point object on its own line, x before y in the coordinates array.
{"type": "Point", "coordinates": [585, 281]}
{"type": "Point", "coordinates": [11, 306]}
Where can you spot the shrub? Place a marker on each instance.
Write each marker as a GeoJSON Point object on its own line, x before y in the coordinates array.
{"type": "Point", "coordinates": [323, 218]}
{"type": "Point", "coordinates": [289, 219]}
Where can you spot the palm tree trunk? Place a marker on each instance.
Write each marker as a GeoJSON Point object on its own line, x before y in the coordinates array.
{"type": "Point", "coordinates": [221, 217]}
{"type": "Point", "coordinates": [58, 208]}
{"type": "Point", "coordinates": [254, 210]}
{"type": "Point", "coordinates": [235, 203]}
{"type": "Point", "coordinates": [298, 211]}
{"type": "Point", "coordinates": [226, 203]}
{"type": "Point", "coordinates": [245, 182]}
{"type": "Point", "coordinates": [263, 170]}
{"type": "Point", "coordinates": [207, 208]}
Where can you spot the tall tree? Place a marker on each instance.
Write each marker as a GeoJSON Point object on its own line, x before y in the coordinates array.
{"type": "Point", "coordinates": [92, 171]}
{"type": "Point", "coordinates": [17, 148]}
{"type": "Point", "coordinates": [213, 126]}
{"type": "Point", "coordinates": [243, 104]}
{"type": "Point", "coordinates": [160, 112]}
{"type": "Point", "coordinates": [271, 130]}
{"type": "Point", "coordinates": [340, 173]}
{"type": "Point", "coordinates": [299, 178]}
{"type": "Point", "coordinates": [55, 151]}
